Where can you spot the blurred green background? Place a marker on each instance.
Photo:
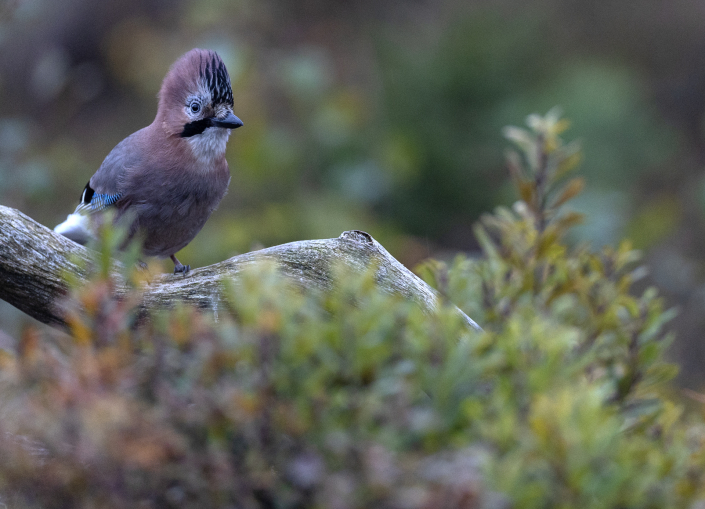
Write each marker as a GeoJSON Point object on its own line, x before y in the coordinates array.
{"type": "Point", "coordinates": [383, 116]}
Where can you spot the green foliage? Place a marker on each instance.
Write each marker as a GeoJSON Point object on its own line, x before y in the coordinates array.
{"type": "Point", "coordinates": [290, 398]}
{"type": "Point", "coordinates": [574, 359]}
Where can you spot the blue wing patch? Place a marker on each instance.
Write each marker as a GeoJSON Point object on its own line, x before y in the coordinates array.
{"type": "Point", "coordinates": [95, 202]}
{"type": "Point", "coordinates": [101, 201]}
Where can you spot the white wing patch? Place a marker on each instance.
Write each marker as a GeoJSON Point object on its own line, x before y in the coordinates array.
{"type": "Point", "coordinates": [76, 227]}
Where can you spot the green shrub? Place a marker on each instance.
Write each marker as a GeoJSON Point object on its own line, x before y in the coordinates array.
{"type": "Point", "coordinates": [356, 398]}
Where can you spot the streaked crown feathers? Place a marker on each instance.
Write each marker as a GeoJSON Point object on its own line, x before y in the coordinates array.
{"type": "Point", "coordinates": [196, 71]}
{"type": "Point", "coordinates": [216, 78]}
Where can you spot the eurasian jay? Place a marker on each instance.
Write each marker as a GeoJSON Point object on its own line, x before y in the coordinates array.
{"type": "Point", "coordinates": [167, 178]}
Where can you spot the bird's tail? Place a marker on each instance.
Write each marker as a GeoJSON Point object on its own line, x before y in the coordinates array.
{"type": "Point", "coordinates": [76, 227]}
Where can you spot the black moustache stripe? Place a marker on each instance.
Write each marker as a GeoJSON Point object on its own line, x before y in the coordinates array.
{"type": "Point", "coordinates": [196, 127]}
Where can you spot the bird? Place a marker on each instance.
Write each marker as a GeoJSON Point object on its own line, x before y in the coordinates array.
{"type": "Point", "coordinates": [166, 179]}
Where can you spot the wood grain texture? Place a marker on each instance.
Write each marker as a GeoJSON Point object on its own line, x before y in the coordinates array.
{"type": "Point", "coordinates": [35, 261]}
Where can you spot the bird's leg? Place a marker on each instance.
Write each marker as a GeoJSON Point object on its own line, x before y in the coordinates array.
{"type": "Point", "coordinates": [178, 267]}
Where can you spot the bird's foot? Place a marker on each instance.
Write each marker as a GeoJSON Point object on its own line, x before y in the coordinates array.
{"type": "Point", "coordinates": [182, 269]}
{"type": "Point", "coordinates": [179, 268]}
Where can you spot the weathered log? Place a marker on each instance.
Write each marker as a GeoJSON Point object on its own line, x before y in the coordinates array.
{"type": "Point", "coordinates": [35, 261]}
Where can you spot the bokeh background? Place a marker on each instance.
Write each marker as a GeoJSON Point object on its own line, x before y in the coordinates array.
{"type": "Point", "coordinates": [381, 115]}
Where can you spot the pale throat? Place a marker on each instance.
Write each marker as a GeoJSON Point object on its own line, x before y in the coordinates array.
{"type": "Point", "coordinates": [210, 145]}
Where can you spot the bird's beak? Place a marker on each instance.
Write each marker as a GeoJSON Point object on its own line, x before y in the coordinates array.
{"type": "Point", "coordinates": [229, 122]}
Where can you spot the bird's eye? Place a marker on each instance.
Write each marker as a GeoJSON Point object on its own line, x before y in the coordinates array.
{"type": "Point", "coordinates": [195, 107]}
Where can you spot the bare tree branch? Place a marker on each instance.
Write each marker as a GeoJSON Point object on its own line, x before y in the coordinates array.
{"type": "Point", "coordinates": [35, 263]}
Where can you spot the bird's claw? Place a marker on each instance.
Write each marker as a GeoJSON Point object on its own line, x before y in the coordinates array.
{"type": "Point", "coordinates": [181, 269]}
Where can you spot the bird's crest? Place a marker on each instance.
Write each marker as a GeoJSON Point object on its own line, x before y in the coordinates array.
{"type": "Point", "coordinates": [196, 70]}
{"type": "Point", "coordinates": [215, 77]}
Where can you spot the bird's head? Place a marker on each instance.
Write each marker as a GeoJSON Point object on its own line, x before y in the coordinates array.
{"type": "Point", "coordinates": [196, 102]}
